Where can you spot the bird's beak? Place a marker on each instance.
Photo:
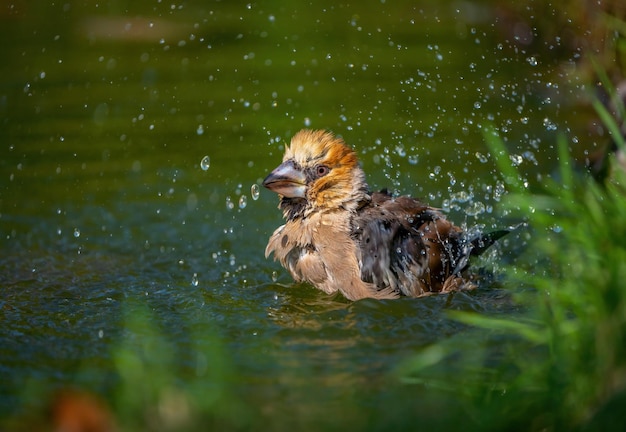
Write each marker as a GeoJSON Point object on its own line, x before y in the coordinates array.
{"type": "Point", "coordinates": [287, 181]}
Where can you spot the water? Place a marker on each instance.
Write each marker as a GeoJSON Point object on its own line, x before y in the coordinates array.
{"type": "Point", "coordinates": [255, 192]}
{"type": "Point", "coordinates": [205, 163]}
{"type": "Point", "coordinates": [110, 209]}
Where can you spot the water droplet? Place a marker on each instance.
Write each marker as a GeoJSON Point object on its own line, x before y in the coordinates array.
{"type": "Point", "coordinates": [481, 157]}
{"type": "Point", "coordinates": [549, 124]}
{"type": "Point", "coordinates": [200, 130]}
{"type": "Point", "coordinates": [229, 203]}
{"type": "Point", "coordinates": [435, 172]}
{"type": "Point", "coordinates": [274, 276]}
{"type": "Point", "coordinates": [530, 156]}
{"type": "Point", "coordinates": [445, 205]}
{"type": "Point", "coordinates": [243, 201]}
{"type": "Point", "coordinates": [400, 151]}
{"type": "Point", "coordinates": [254, 191]}
{"type": "Point", "coordinates": [475, 209]}
{"type": "Point", "coordinates": [194, 279]}
{"type": "Point", "coordinates": [76, 232]}
{"type": "Point", "coordinates": [461, 197]}
{"type": "Point", "coordinates": [452, 179]}
{"type": "Point", "coordinates": [205, 163]}
{"type": "Point", "coordinates": [516, 159]}
{"type": "Point", "coordinates": [100, 333]}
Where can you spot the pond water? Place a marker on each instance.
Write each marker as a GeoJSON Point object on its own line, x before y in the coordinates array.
{"type": "Point", "coordinates": [133, 141]}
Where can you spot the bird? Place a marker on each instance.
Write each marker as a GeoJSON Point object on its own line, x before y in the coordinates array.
{"type": "Point", "coordinates": [340, 237]}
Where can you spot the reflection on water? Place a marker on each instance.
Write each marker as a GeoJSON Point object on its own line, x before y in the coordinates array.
{"type": "Point", "coordinates": [130, 141]}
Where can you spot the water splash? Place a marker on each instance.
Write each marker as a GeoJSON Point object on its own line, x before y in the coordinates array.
{"type": "Point", "coordinates": [481, 157]}
{"type": "Point", "coordinates": [475, 208]}
{"type": "Point", "coordinates": [194, 279]}
{"type": "Point", "coordinates": [254, 191]}
{"type": "Point", "coordinates": [205, 163]}
{"type": "Point", "coordinates": [516, 160]}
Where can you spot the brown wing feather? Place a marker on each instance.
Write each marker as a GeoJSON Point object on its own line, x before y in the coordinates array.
{"type": "Point", "coordinates": [404, 244]}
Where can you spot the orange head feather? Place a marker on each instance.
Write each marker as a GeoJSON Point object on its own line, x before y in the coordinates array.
{"type": "Point", "coordinates": [319, 173]}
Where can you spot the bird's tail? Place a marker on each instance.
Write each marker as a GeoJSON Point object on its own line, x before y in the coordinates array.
{"type": "Point", "coordinates": [474, 242]}
{"type": "Point", "coordinates": [483, 241]}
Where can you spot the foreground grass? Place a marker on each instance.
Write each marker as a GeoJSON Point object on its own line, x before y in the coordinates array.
{"type": "Point", "coordinates": [560, 364]}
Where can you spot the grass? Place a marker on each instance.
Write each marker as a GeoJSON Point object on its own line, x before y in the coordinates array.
{"type": "Point", "coordinates": [561, 363]}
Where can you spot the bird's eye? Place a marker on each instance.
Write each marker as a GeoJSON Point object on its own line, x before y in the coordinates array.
{"type": "Point", "coordinates": [321, 170]}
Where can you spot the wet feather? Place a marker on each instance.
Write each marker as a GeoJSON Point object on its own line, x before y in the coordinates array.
{"type": "Point", "coordinates": [341, 238]}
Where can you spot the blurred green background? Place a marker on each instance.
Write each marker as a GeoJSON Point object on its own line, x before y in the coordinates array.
{"type": "Point", "coordinates": [133, 271]}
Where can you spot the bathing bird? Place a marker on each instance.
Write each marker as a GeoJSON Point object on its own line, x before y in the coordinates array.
{"type": "Point", "coordinates": [341, 237]}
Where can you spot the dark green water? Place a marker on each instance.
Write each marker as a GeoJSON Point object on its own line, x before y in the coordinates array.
{"type": "Point", "coordinates": [128, 270]}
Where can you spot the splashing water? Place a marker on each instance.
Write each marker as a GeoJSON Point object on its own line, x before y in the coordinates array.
{"type": "Point", "coordinates": [205, 163]}
{"type": "Point", "coordinates": [254, 191]}
{"type": "Point", "coordinates": [481, 157]}
{"type": "Point", "coordinates": [475, 208]}
{"type": "Point", "coordinates": [229, 203]}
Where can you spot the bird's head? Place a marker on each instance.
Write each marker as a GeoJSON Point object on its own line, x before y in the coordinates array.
{"type": "Point", "coordinates": [319, 173]}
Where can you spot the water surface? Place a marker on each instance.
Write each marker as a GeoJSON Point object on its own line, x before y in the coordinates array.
{"type": "Point", "coordinates": [128, 267]}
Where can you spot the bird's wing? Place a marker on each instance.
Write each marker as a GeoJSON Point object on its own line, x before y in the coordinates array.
{"type": "Point", "coordinates": [293, 247]}
{"type": "Point", "coordinates": [393, 251]}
